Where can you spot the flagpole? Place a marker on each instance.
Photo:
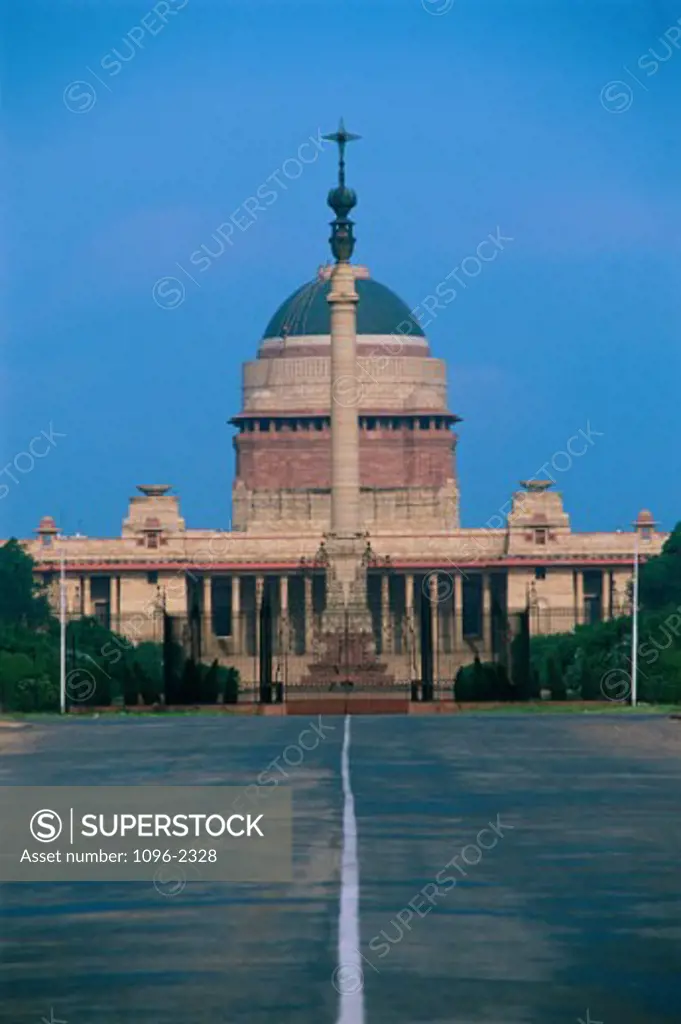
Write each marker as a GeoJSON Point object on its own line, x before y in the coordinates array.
{"type": "Point", "coordinates": [634, 629]}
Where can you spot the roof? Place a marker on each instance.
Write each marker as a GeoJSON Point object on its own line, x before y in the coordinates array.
{"type": "Point", "coordinates": [306, 312]}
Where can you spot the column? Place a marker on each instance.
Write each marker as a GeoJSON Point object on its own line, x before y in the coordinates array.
{"type": "Point", "coordinates": [487, 615]}
{"type": "Point", "coordinates": [207, 607]}
{"type": "Point", "coordinates": [605, 595]}
{"type": "Point", "coordinates": [409, 594]}
{"type": "Point", "coordinates": [385, 614]}
{"type": "Point", "coordinates": [309, 624]}
{"type": "Point", "coordinates": [259, 587]}
{"type": "Point", "coordinates": [410, 631]}
{"type": "Point", "coordinates": [458, 611]}
{"type": "Point", "coordinates": [115, 597]}
{"type": "Point", "coordinates": [237, 632]}
{"type": "Point", "coordinates": [579, 597]}
{"type": "Point", "coordinates": [345, 386]}
{"type": "Point", "coordinates": [433, 594]}
{"type": "Point", "coordinates": [283, 612]}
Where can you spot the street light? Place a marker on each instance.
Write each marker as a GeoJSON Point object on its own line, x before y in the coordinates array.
{"type": "Point", "coordinates": [62, 627]}
{"type": "Point", "coordinates": [634, 627]}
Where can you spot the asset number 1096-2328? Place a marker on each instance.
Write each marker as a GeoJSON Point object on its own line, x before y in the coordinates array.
{"type": "Point", "coordinates": [181, 856]}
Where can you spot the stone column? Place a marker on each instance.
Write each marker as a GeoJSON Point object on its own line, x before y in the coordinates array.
{"type": "Point", "coordinates": [385, 614]}
{"type": "Point", "coordinates": [579, 597]}
{"type": "Point", "coordinates": [458, 611]}
{"type": "Point", "coordinates": [345, 394]}
{"type": "Point", "coordinates": [207, 609]}
{"type": "Point", "coordinates": [237, 632]}
{"type": "Point", "coordinates": [487, 614]}
{"type": "Point", "coordinates": [283, 612]}
{"type": "Point", "coordinates": [605, 595]}
{"type": "Point", "coordinates": [115, 602]}
{"type": "Point", "coordinates": [409, 594]}
{"type": "Point", "coordinates": [259, 587]}
{"type": "Point", "coordinates": [434, 621]}
{"type": "Point", "coordinates": [309, 632]}
{"type": "Point", "coordinates": [410, 626]}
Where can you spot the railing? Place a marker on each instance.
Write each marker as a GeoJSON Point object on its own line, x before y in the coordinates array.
{"type": "Point", "coordinates": [323, 654]}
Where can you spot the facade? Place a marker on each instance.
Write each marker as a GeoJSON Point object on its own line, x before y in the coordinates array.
{"type": "Point", "coordinates": [345, 501]}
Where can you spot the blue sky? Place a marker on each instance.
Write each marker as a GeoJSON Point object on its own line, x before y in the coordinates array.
{"type": "Point", "coordinates": [486, 116]}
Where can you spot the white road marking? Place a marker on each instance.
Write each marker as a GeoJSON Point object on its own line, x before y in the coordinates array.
{"type": "Point", "coordinates": [348, 976]}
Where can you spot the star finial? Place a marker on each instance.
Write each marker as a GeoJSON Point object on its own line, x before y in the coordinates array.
{"type": "Point", "coordinates": [341, 137]}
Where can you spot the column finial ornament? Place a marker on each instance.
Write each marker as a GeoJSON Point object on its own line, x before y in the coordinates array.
{"type": "Point", "coordinates": [342, 199]}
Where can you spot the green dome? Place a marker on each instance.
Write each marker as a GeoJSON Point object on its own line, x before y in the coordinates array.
{"type": "Point", "coordinates": [379, 311]}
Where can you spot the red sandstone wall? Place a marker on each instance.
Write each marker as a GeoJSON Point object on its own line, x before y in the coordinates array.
{"type": "Point", "coordinates": [302, 459]}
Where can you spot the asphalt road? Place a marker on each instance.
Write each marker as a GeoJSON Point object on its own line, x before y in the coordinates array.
{"type": "Point", "coordinates": [562, 836]}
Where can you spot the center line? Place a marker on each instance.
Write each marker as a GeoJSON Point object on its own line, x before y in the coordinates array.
{"type": "Point", "coordinates": [349, 976]}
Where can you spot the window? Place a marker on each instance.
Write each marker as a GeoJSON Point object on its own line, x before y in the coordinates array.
{"type": "Point", "coordinates": [152, 577]}
{"type": "Point", "coordinates": [46, 539]}
{"type": "Point", "coordinates": [540, 573]}
{"type": "Point", "coordinates": [540, 536]}
{"type": "Point", "coordinates": [152, 540]}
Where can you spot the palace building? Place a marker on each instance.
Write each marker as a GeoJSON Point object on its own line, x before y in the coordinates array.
{"type": "Point", "coordinates": [345, 510]}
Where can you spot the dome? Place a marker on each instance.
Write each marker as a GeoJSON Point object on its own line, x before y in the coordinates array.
{"type": "Point", "coordinates": [306, 312]}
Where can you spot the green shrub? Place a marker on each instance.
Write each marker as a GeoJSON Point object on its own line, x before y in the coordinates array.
{"type": "Point", "coordinates": [210, 684]}
{"type": "Point", "coordinates": [40, 694]}
{"type": "Point", "coordinates": [229, 685]}
{"type": "Point", "coordinates": [24, 687]}
{"type": "Point", "coordinates": [482, 681]}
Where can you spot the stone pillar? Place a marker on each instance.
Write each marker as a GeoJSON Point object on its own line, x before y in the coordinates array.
{"type": "Point", "coordinates": [385, 614]}
{"type": "Point", "coordinates": [487, 615]}
{"type": "Point", "coordinates": [605, 595]}
{"type": "Point", "coordinates": [458, 611]}
{"type": "Point", "coordinates": [237, 632]}
{"type": "Point", "coordinates": [115, 602]}
{"type": "Point", "coordinates": [579, 597]}
{"type": "Point", "coordinates": [283, 612]}
{"type": "Point", "coordinates": [345, 392]}
{"type": "Point", "coordinates": [259, 587]}
{"type": "Point", "coordinates": [410, 626]}
{"type": "Point", "coordinates": [409, 594]}
{"type": "Point", "coordinates": [309, 623]}
{"type": "Point", "coordinates": [433, 594]}
{"type": "Point", "coordinates": [207, 609]}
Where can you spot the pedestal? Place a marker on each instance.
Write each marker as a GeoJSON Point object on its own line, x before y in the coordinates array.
{"type": "Point", "coordinates": [344, 649]}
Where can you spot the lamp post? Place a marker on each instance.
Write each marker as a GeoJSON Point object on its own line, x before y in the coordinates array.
{"type": "Point", "coordinates": [62, 629]}
{"type": "Point", "coordinates": [634, 628]}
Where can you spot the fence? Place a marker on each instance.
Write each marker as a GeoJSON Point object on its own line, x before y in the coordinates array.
{"type": "Point", "coordinates": [326, 653]}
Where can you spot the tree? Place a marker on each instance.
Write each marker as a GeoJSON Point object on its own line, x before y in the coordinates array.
{"type": "Point", "coordinates": [660, 577]}
{"type": "Point", "coordinates": [22, 602]}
